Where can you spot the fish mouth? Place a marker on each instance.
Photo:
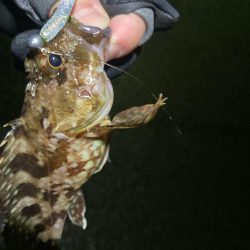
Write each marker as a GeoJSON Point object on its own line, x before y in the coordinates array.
{"type": "Point", "coordinates": [103, 91]}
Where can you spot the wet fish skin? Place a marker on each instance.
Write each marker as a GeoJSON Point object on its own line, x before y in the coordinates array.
{"type": "Point", "coordinates": [62, 136]}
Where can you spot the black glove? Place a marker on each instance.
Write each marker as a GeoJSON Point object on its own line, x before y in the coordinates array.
{"type": "Point", "coordinates": [158, 14]}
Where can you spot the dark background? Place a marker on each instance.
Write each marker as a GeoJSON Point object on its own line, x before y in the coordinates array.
{"type": "Point", "coordinates": [164, 190]}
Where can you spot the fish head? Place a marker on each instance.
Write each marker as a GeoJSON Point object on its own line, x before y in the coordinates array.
{"type": "Point", "coordinates": [68, 85]}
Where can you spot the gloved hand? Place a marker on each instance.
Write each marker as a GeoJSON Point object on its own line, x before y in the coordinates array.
{"type": "Point", "coordinates": [157, 14]}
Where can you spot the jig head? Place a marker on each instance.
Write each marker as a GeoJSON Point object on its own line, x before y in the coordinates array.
{"type": "Point", "coordinates": [53, 26]}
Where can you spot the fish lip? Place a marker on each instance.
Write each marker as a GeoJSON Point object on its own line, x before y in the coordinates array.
{"type": "Point", "coordinates": [101, 113]}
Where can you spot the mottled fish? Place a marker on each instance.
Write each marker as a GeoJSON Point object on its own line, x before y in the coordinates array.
{"type": "Point", "coordinates": [61, 138]}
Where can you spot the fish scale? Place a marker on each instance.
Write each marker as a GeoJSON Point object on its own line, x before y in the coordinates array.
{"type": "Point", "coordinates": [62, 136]}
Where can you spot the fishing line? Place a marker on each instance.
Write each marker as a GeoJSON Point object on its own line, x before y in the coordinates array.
{"type": "Point", "coordinates": [148, 89]}
{"type": "Point", "coordinates": [185, 142]}
{"type": "Point", "coordinates": [170, 117]}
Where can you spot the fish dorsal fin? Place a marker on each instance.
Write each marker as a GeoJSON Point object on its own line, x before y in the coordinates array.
{"type": "Point", "coordinates": [77, 210]}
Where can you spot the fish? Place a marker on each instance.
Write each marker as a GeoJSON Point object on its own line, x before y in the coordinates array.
{"type": "Point", "coordinates": [62, 135]}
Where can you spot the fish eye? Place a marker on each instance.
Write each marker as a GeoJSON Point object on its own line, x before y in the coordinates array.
{"type": "Point", "coordinates": [55, 60]}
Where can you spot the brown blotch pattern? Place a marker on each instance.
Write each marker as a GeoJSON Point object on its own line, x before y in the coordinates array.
{"type": "Point", "coordinates": [27, 189]}
{"type": "Point", "coordinates": [51, 197]}
{"type": "Point", "coordinates": [70, 192]}
{"type": "Point", "coordinates": [62, 77]}
{"type": "Point", "coordinates": [31, 210]}
{"type": "Point", "coordinates": [19, 132]}
{"type": "Point", "coordinates": [29, 164]}
{"type": "Point", "coordinates": [59, 155]}
{"type": "Point", "coordinates": [39, 228]}
{"type": "Point", "coordinates": [51, 220]}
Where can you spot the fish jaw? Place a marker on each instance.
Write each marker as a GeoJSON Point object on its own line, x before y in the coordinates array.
{"type": "Point", "coordinates": [77, 95]}
{"type": "Point", "coordinates": [48, 156]}
{"type": "Point", "coordinates": [102, 89]}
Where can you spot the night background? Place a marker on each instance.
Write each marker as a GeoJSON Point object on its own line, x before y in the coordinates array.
{"type": "Point", "coordinates": [163, 189]}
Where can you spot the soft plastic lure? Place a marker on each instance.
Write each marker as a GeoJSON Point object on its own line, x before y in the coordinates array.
{"type": "Point", "coordinates": [57, 21]}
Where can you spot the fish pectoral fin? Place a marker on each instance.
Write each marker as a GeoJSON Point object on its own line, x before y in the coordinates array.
{"type": "Point", "coordinates": [77, 210]}
{"type": "Point", "coordinates": [14, 123]}
{"type": "Point", "coordinates": [136, 116]}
